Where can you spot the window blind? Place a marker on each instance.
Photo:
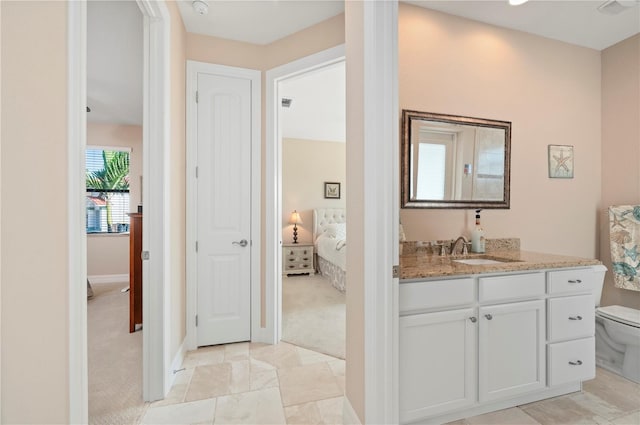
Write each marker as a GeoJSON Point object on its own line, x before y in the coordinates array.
{"type": "Point", "coordinates": [107, 184]}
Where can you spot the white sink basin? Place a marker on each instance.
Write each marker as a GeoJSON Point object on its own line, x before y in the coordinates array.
{"type": "Point", "coordinates": [478, 261]}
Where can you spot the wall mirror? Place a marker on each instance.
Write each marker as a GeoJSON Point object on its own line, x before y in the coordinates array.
{"type": "Point", "coordinates": [454, 162]}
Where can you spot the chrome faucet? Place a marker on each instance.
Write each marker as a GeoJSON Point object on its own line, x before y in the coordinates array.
{"type": "Point", "coordinates": [465, 250]}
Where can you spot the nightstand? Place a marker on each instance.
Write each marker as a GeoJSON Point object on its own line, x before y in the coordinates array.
{"type": "Point", "coordinates": [297, 259]}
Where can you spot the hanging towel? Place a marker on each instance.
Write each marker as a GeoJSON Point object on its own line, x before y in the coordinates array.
{"type": "Point", "coordinates": [624, 233]}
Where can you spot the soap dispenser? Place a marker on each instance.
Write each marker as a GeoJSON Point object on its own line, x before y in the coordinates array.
{"type": "Point", "coordinates": [477, 236]}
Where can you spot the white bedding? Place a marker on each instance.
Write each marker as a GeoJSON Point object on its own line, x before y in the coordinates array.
{"type": "Point", "coordinates": [333, 250]}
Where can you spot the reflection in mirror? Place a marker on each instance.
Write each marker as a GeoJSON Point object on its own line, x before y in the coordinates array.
{"type": "Point", "coordinates": [454, 162]}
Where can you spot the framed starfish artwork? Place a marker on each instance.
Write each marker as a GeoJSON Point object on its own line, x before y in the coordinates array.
{"type": "Point", "coordinates": [560, 161]}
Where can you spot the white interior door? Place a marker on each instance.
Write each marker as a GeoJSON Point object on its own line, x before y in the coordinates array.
{"type": "Point", "coordinates": [223, 209]}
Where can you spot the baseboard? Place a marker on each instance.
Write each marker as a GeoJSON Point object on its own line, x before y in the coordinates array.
{"type": "Point", "coordinates": [176, 364]}
{"type": "Point", "coordinates": [349, 416]}
{"type": "Point", "coordinates": [108, 278]}
{"type": "Point", "coordinates": [262, 335]}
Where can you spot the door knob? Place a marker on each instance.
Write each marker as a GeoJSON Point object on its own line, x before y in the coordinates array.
{"type": "Point", "coordinates": [242, 243]}
{"type": "Point", "coordinates": [488, 316]}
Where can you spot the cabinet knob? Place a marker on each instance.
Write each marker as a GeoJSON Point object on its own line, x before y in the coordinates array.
{"type": "Point", "coordinates": [575, 318]}
{"type": "Point", "coordinates": [575, 281]}
{"type": "Point", "coordinates": [488, 316]}
{"type": "Point", "coordinates": [576, 363]}
{"type": "Point", "coordinates": [473, 319]}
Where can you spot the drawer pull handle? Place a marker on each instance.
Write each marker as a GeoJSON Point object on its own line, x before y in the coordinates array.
{"type": "Point", "coordinates": [473, 319]}
{"type": "Point", "coordinates": [488, 316]}
{"type": "Point", "coordinates": [575, 318]}
{"type": "Point", "coordinates": [576, 363]}
{"type": "Point", "coordinates": [575, 281]}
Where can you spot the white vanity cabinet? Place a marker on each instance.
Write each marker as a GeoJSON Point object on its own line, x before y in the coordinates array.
{"type": "Point", "coordinates": [571, 326]}
{"type": "Point", "coordinates": [479, 343]}
{"type": "Point", "coordinates": [511, 352]}
{"type": "Point", "coordinates": [437, 352]}
{"type": "Point", "coordinates": [438, 377]}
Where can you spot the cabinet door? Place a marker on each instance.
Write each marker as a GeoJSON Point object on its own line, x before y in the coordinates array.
{"type": "Point", "coordinates": [511, 349]}
{"type": "Point", "coordinates": [437, 363]}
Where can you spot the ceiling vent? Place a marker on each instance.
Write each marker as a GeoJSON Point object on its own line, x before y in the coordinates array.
{"type": "Point", "coordinates": [286, 102]}
{"type": "Point", "coordinates": [614, 7]}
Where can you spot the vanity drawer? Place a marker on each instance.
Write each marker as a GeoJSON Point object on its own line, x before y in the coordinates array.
{"type": "Point", "coordinates": [518, 286]}
{"type": "Point", "coordinates": [436, 294]}
{"type": "Point", "coordinates": [567, 281]}
{"type": "Point", "coordinates": [571, 317]}
{"type": "Point", "coordinates": [572, 361]}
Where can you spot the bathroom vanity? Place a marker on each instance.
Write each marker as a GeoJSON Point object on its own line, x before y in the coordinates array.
{"type": "Point", "coordinates": [507, 329]}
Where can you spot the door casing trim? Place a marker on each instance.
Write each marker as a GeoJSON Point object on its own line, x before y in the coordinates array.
{"type": "Point", "coordinates": [193, 69]}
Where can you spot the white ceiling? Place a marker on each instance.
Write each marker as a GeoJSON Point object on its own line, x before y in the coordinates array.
{"type": "Point", "coordinates": [114, 68]}
{"type": "Point", "coordinates": [575, 22]}
{"type": "Point", "coordinates": [257, 22]}
{"type": "Point", "coordinates": [114, 62]}
{"type": "Point", "coordinates": [318, 110]}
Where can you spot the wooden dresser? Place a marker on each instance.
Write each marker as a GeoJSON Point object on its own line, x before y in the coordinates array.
{"type": "Point", "coordinates": [135, 271]}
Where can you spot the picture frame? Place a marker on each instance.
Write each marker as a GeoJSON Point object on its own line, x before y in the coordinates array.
{"type": "Point", "coordinates": [331, 190]}
{"type": "Point", "coordinates": [560, 159]}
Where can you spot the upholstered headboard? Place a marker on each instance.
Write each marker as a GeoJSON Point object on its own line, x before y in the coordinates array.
{"type": "Point", "coordinates": [324, 216]}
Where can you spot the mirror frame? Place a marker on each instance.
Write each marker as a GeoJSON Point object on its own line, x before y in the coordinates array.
{"type": "Point", "coordinates": [405, 166]}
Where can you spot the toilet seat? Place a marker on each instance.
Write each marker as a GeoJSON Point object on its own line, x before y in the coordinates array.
{"type": "Point", "coordinates": [624, 315]}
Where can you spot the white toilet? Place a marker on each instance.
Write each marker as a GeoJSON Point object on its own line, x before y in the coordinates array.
{"type": "Point", "coordinates": [618, 338]}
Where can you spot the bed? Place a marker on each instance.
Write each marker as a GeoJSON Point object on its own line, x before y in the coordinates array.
{"type": "Point", "coordinates": [330, 240]}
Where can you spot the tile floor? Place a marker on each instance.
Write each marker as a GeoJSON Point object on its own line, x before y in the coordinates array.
{"type": "Point", "coordinates": [250, 383]}
{"type": "Point", "coordinates": [607, 400]}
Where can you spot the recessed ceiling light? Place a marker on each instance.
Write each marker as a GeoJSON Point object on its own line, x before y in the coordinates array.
{"type": "Point", "coordinates": [517, 2]}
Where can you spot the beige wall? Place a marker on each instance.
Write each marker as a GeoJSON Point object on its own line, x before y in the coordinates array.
{"type": "Point", "coordinates": [108, 254]}
{"type": "Point", "coordinates": [354, 37]}
{"type": "Point", "coordinates": [35, 310]}
{"type": "Point", "coordinates": [177, 171]}
{"type": "Point", "coordinates": [306, 165]}
{"type": "Point", "coordinates": [620, 148]}
{"type": "Point", "coordinates": [549, 90]}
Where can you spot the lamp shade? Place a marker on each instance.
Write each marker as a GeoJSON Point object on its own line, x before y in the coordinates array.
{"type": "Point", "coordinates": [295, 218]}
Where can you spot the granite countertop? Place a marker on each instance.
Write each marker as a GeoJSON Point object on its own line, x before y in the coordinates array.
{"type": "Point", "coordinates": [416, 264]}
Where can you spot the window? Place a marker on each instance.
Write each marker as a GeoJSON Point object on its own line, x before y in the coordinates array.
{"type": "Point", "coordinates": [107, 182]}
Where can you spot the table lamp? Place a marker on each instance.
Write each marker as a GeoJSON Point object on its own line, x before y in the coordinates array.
{"type": "Point", "coordinates": [295, 220]}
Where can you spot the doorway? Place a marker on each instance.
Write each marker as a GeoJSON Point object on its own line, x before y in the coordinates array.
{"type": "Point", "coordinates": [156, 373]}
{"type": "Point", "coordinates": [274, 212]}
{"type": "Point", "coordinates": [313, 192]}
{"type": "Point", "coordinates": [114, 173]}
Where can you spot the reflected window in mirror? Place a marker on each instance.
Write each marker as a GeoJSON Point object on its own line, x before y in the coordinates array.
{"type": "Point", "coordinates": [454, 162]}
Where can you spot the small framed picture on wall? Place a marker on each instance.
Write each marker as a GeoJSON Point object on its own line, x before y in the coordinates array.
{"type": "Point", "coordinates": [331, 190]}
{"type": "Point", "coordinates": [560, 161]}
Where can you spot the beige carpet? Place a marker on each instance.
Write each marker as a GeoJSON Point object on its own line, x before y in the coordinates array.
{"type": "Point", "coordinates": [313, 314]}
{"type": "Point", "coordinates": [115, 358]}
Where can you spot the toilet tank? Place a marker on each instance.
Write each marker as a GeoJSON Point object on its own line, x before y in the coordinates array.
{"type": "Point", "coordinates": [598, 281]}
